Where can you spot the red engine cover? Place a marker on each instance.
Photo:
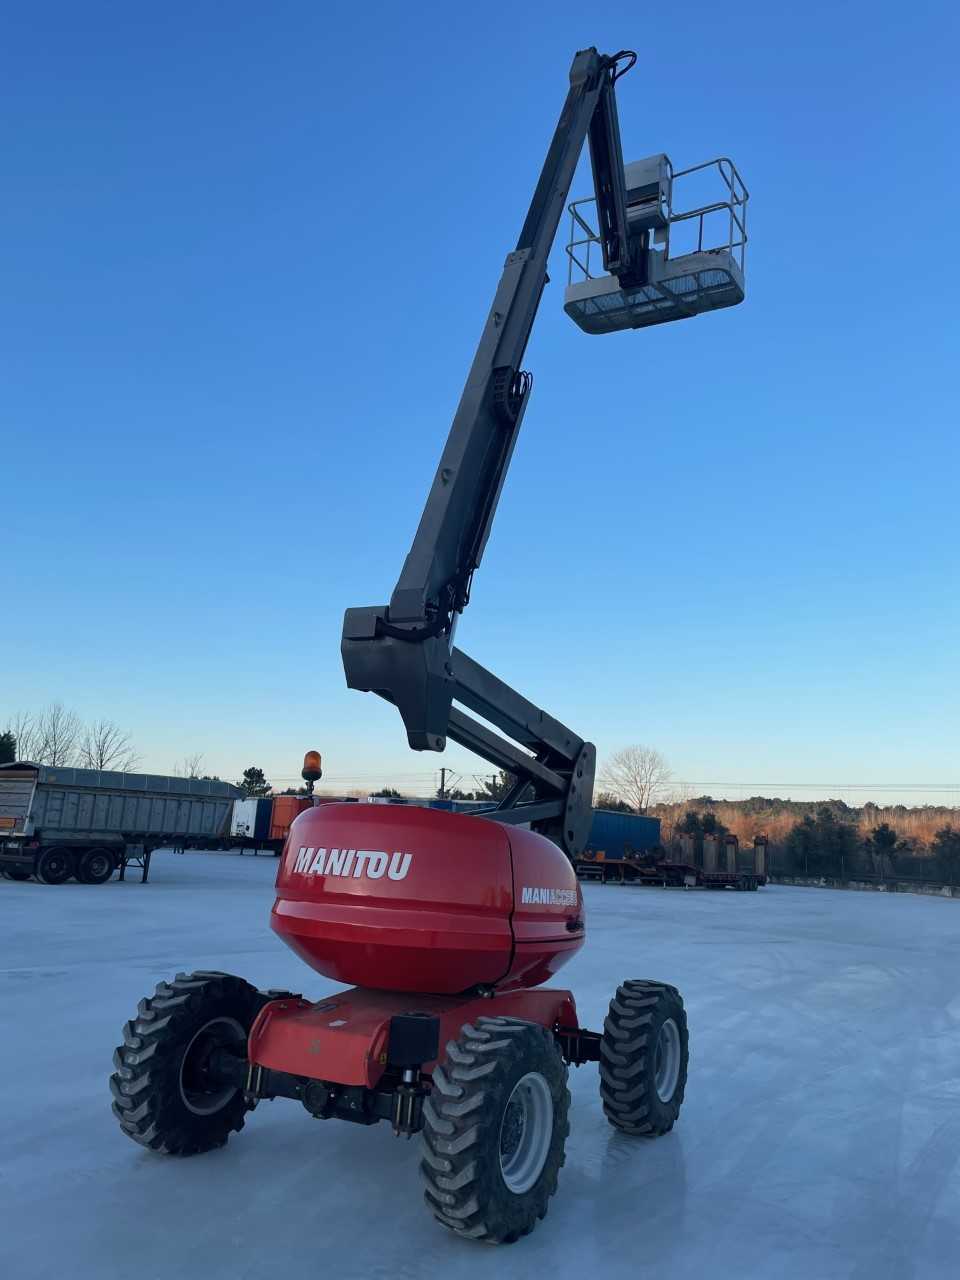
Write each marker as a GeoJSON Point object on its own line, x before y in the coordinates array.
{"type": "Point", "coordinates": [409, 899]}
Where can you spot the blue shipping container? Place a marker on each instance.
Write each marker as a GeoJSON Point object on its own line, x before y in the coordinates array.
{"type": "Point", "coordinates": [617, 834]}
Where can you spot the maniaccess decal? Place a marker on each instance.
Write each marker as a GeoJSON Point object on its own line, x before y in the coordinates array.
{"type": "Point", "coordinates": [549, 897]}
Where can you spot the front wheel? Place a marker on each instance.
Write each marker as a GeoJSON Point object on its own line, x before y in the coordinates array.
{"type": "Point", "coordinates": [494, 1130]}
{"type": "Point", "coordinates": [643, 1058]}
{"type": "Point", "coordinates": [165, 1094]}
{"type": "Point", "coordinates": [55, 866]}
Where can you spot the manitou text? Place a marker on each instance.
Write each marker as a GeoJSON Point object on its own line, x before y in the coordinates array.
{"type": "Point", "coordinates": [353, 862]}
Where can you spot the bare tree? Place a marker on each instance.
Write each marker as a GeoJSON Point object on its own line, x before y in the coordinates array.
{"type": "Point", "coordinates": [23, 726]}
{"type": "Point", "coordinates": [635, 775]}
{"type": "Point", "coordinates": [189, 766]}
{"type": "Point", "coordinates": [59, 733]}
{"type": "Point", "coordinates": [105, 746]}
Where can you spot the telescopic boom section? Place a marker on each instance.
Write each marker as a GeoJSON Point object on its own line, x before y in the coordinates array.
{"type": "Point", "coordinates": [404, 651]}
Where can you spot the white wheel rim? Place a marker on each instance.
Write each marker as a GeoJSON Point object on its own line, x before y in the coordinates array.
{"type": "Point", "coordinates": [526, 1130]}
{"type": "Point", "coordinates": [209, 1103]}
{"type": "Point", "coordinates": [666, 1070]}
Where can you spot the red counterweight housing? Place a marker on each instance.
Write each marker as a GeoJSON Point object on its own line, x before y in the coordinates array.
{"type": "Point", "coordinates": [420, 900]}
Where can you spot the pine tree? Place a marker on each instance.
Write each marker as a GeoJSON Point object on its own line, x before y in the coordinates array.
{"type": "Point", "coordinates": [253, 782]}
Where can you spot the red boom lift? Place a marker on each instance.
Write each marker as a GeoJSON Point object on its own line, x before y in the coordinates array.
{"type": "Point", "coordinates": [445, 925]}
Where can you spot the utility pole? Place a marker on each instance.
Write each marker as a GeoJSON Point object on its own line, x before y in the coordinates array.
{"type": "Point", "coordinates": [443, 784]}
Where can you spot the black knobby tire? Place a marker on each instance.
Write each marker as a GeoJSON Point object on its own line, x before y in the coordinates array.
{"type": "Point", "coordinates": [643, 1058]}
{"type": "Point", "coordinates": [95, 866]}
{"type": "Point", "coordinates": [161, 1095]}
{"type": "Point", "coordinates": [17, 875]}
{"type": "Point", "coordinates": [501, 1087]}
{"type": "Point", "coordinates": [54, 866]}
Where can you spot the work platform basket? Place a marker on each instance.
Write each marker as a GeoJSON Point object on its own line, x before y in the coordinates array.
{"type": "Point", "coordinates": [694, 264]}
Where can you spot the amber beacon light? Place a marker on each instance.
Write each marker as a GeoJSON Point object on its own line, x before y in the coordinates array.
{"type": "Point", "coordinates": [311, 771]}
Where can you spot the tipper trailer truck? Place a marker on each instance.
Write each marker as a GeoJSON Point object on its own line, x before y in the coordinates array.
{"type": "Point", "coordinates": [57, 823]}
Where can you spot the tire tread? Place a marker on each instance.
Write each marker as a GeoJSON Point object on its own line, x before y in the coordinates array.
{"type": "Point", "coordinates": [461, 1120]}
{"type": "Point", "coordinates": [145, 1082]}
{"type": "Point", "coordinates": [625, 1083]}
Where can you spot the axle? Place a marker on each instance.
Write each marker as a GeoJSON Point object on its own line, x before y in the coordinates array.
{"type": "Point", "coordinates": [398, 1097]}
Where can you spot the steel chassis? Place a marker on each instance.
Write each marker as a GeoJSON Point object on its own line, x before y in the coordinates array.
{"type": "Point", "coordinates": [129, 851]}
{"type": "Point", "coordinates": [385, 1063]}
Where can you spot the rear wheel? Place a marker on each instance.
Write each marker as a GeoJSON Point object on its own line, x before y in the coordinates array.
{"type": "Point", "coordinates": [96, 866]}
{"type": "Point", "coordinates": [494, 1130]}
{"type": "Point", "coordinates": [643, 1058]}
{"type": "Point", "coordinates": [55, 866]}
{"type": "Point", "coordinates": [165, 1093]}
{"type": "Point", "coordinates": [17, 875]}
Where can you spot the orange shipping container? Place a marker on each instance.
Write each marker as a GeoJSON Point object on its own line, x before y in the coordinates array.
{"type": "Point", "coordinates": [285, 809]}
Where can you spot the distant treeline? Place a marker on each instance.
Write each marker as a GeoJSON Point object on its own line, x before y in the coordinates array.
{"type": "Point", "coordinates": [830, 837]}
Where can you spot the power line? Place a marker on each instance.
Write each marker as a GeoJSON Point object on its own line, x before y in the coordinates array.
{"type": "Point", "coordinates": [839, 786]}
{"type": "Point", "coordinates": [427, 779]}
{"type": "Point", "coordinates": [339, 777]}
{"type": "Point", "coordinates": [678, 782]}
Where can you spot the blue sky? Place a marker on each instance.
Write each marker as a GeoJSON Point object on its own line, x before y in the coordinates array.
{"type": "Point", "coordinates": [248, 251]}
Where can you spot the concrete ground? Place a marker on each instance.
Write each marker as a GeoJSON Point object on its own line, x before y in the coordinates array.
{"type": "Point", "coordinates": [820, 1137]}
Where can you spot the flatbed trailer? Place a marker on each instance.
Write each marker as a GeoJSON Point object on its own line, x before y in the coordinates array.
{"type": "Point", "coordinates": [665, 874]}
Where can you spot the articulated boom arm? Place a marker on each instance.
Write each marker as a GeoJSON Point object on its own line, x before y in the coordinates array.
{"type": "Point", "coordinates": [404, 651]}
